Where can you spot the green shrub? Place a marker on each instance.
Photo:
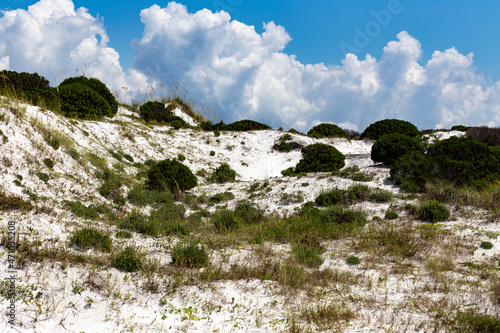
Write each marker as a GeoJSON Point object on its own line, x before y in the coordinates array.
{"type": "Point", "coordinates": [282, 145]}
{"type": "Point", "coordinates": [307, 255]}
{"type": "Point", "coordinates": [123, 234]}
{"type": "Point", "coordinates": [433, 212]}
{"type": "Point", "coordinates": [223, 174]}
{"type": "Point", "coordinates": [245, 125]}
{"type": "Point", "coordinates": [48, 162]}
{"type": "Point", "coordinates": [219, 197]}
{"type": "Point", "coordinates": [32, 88]}
{"type": "Point", "coordinates": [389, 148]}
{"type": "Point", "coordinates": [73, 153]}
{"type": "Point", "coordinates": [91, 238]}
{"type": "Point", "coordinates": [412, 171]}
{"type": "Point", "coordinates": [170, 175]}
{"type": "Point", "coordinates": [188, 255]}
{"type": "Point", "coordinates": [248, 213]}
{"type": "Point", "coordinates": [320, 158]}
{"type": "Point", "coordinates": [353, 194]}
{"type": "Point", "coordinates": [389, 126]}
{"type": "Point", "coordinates": [460, 128]}
{"type": "Point", "coordinates": [79, 209]}
{"type": "Point", "coordinates": [111, 186]}
{"type": "Point", "coordinates": [212, 153]}
{"type": "Point", "coordinates": [138, 222]}
{"type": "Point", "coordinates": [127, 260]}
{"type": "Point", "coordinates": [96, 85]}
{"type": "Point", "coordinates": [156, 111]}
{"type": "Point", "coordinates": [81, 102]}
{"type": "Point", "coordinates": [181, 157]}
{"type": "Point", "coordinates": [471, 321]}
{"type": "Point", "coordinates": [43, 177]}
{"type": "Point", "coordinates": [327, 130]}
{"type": "Point", "coordinates": [128, 158]}
{"type": "Point", "coordinates": [486, 245]}
{"type": "Point", "coordinates": [225, 220]}
{"type": "Point", "coordinates": [353, 260]}
{"type": "Point", "coordinates": [140, 196]}
{"type": "Point", "coordinates": [390, 215]}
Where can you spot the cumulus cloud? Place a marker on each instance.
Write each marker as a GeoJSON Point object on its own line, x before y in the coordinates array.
{"type": "Point", "coordinates": [58, 41]}
{"type": "Point", "coordinates": [228, 65]}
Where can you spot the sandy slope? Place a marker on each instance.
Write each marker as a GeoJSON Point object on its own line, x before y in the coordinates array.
{"type": "Point", "coordinates": [380, 297]}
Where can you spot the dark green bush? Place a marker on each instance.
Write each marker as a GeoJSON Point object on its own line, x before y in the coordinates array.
{"type": "Point", "coordinates": [156, 111]}
{"type": "Point", "coordinates": [223, 174]}
{"type": "Point", "coordinates": [486, 245]}
{"type": "Point", "coordinates": [123, 234]}
{"type": "Point", "coordinates": [181, 157]}
{"type": "Point", "coordinates": [13, 202]}
{"type": "Point", "coordinates": [79, 209]}
{"type": "Point", "coordinates": [48, 162]}
{"type": "Point", "coordinates": [81, 102]}
{"type": "Point", "coordinates": [307, 255]}
{"type": "Point", "coordinates": [111, 186]}
{"type": "Point", "coordinates": [91, 238]}
{"type": "Point", "coordinates": [188, 255]}
{"type": "Point", "coordinates": [460, 128]}
{"type": "Point", "coordinates": [140, 196]}
{"type": "Point", "coordinates": [320, 158]}
{"type": "Point", "coordinates": [219, 197]}
{"type": "Point", "coordinates": [96, 85]}
{"type": "Point", "coordinates": [245, 125]}
{"type": "Point", "coordinates": [327, 130]}
{"type": "Point", "coordinates": [127, 260]}
{"type": "Point", "coordinates": [433, 212]}
{"type": "Point", "coordinates": [32, 88]}
{"type": "Point", "coordinates": [353, 260]}
{"type": "Point", "coordinates": [43, 177]}
{"type": "Point", "coordinates": [170, 175]}
{"type": "Point", "coordinates": [353, 194]}
{"type": "Point", "coordinates": [389, 126]}
{"type": "Point", "coordinates": [283, 144]}
{"type": "Point", "coordinates": [471, 321]}
{"type": "Point", "coordinates": [128, 158]}
{"type": "Point", "coordinates": [389, 148]}
{"type": "Point", "coordinates": [390, 215]}
{"type": "Point", "coordinates": [412, 171]}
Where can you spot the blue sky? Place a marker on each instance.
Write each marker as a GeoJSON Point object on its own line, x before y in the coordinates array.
{"type": "Point", "coordinates": [319, 27]}
{"type": "Point", "coordinates": [307, 34]}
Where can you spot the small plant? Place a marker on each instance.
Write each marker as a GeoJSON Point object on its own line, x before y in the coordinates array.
{"type": "Point", "coordinates": [123, 234]}
{"type": "Point", "coordinates": [219, 197]}
{"type": "Point", "coordinates": [188, 255]}
{"type": "Point", "coordinates": [128, 158]}
{"type": "Point", "coordinates": [127, 260]}
{"type": "Point", "coordinates": [181, 157]}
{"type": "Point", "coordinates": [43, 177]}
{"type": "Point", "coordinates": [48, 162]}
{"type": "Point", "coordinates": [91, 238]}
{"type": "Point", "coordinates": [225, 220]}
{"type": "Point", "coordinates": [73, 153]}
{"type": "Point", "coordinates": [212, 153]}
{"type": "Point", "coordinates": [390, 215]}
{"type": "Point", "coordinates": [79, 209]}
{"type": "Point", "coordinates": [13, 202]}
{"type": "Point", "coordinates": [486, 245]}
{"type": "Point", "coordinates": [223, 174]}
{"type": "Point", "coordinates": [433, 212]}
{"type": "Point", "coordinates": [352, 260]}
{"type": "Point", "coordinates": [307, 255]}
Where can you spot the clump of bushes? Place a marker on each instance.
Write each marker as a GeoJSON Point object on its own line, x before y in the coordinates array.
{"type": "Point", "coordinates": [85, 98]}
{"type": "Point", "coordinates": [170, 175]}
{"type": "Point", "coordinates": [433, 212]}
{"type": "Point", "coordinates": [353, 194]}
{"type": "Point", "coordinates": [223, 174]}
{"type": "Point", "coordinates": [285, 145]}
{"type": "Point", "coordinates": [460, 161]}
{"type": "Point", "coordinates": [91, 238]}
{"type": "Point", "coordinates": [156, 111]}
{"type": "Point", "coordinates": [127, 260]}
{"type": "Point", "coordinates": [318, 158]}
{"type": "Point", "coordinates": [188, 255]}
{"type": "Point", "coordinates": [389, 148]}
{"type": "Point", "coordinates": [327, 130]}
{"type": "Point", "coordinates": [244, 214]}
{"type": "Point", "coordinates": [389, 126]}
{"type": "Point", "coordinates": [32, 88]}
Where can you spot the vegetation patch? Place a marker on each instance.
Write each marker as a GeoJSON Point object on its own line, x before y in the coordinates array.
{"type": "Point", "coordinates": [127, 260]}
{"type": "Point", "coordinates": [189, 255]}
{"type": "Point", "coordinates": [223, 174]}
{"type": "Point", "coordinates": [87, 237]}
{"type": "Point", "coordinates": [14, 202]}
{"type": "Point", "coordinates": [327, 130]}
{"type": "Point", "coordinates": [433, 212]}
{"type": "Point", "coordinates": [389, 148]}
{"type": "Point", "coordinates": [170, 175]}
{"type": "Point", "coordinates": [389, 126]}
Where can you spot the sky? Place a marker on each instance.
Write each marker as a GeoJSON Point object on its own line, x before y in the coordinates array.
{"type": "Point", "coordinates": [290, 64]}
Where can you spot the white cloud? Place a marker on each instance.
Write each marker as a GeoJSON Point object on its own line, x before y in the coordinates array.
{"type": "Point", "coordinates": [245, 74]}
{"type": "Point", "coordinates": [58, 41]}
